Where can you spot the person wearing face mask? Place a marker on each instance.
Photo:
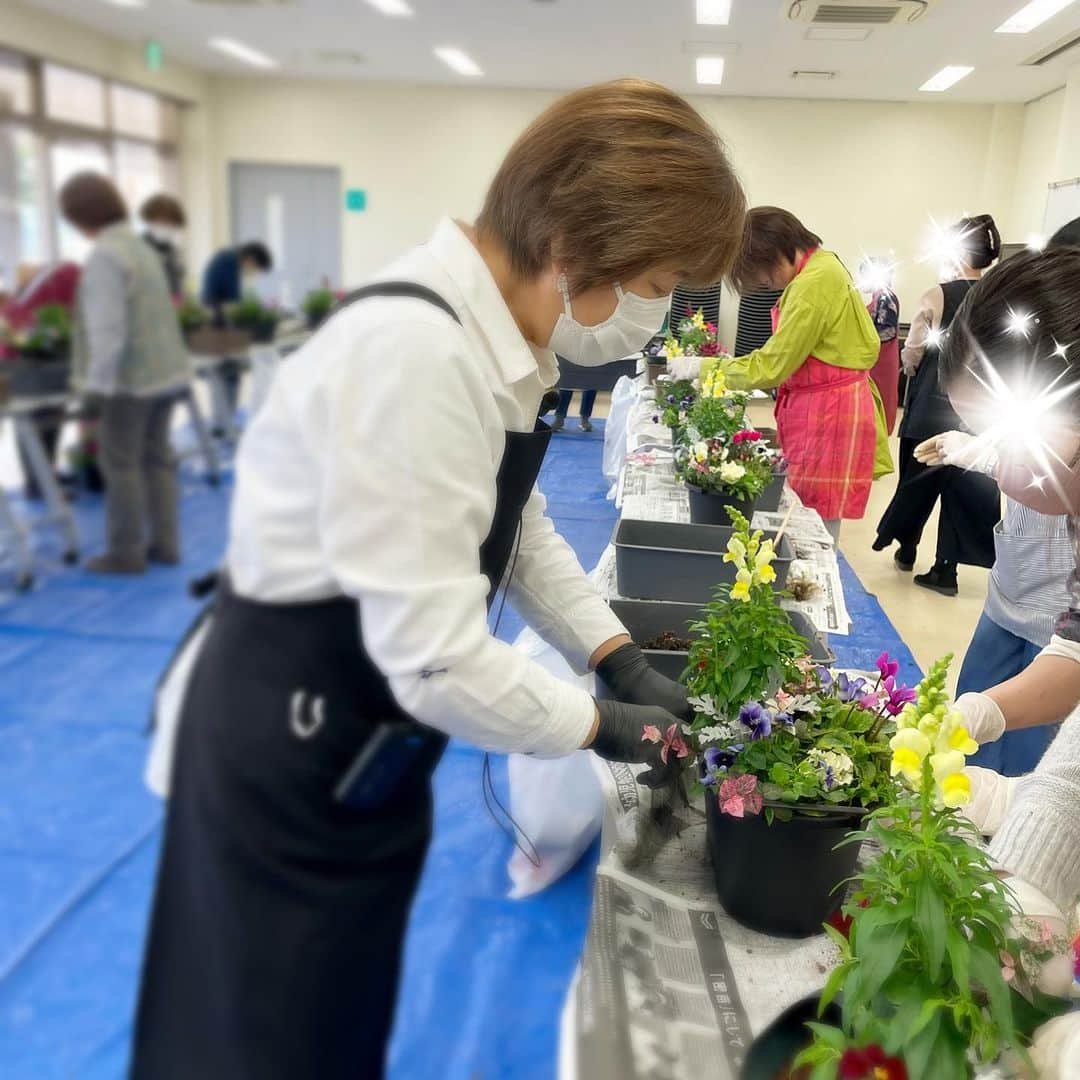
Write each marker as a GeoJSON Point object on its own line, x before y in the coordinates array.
{"type": "Point", "coordinates": [829, 414]}
{"type": "Point", "coordinates": [231, 273]}
{"type": "Point", "coordinates": [970, 504]}
{"type": "Point", "coordinates": [164, 222]}
{"type": "Point", "coordinates": [1016, 386]}
{"type": "Point", "coordinates": [378, 508]}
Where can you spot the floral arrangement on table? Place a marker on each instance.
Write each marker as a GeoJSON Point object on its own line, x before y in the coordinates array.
{"type": "Point", "coordinates": [693, 336]}
{"type": "Point", "coordinates": [191, 315]}
{"type": "Point", "coordinates": [770, 725]}
{"type": "Point", "coordinates": [47, 338]}
{"type": "Point", "coordinates": [318, 304]}
{"type": "Point", "coordinates": [255, 317]}
{"type": "Point", "coordinates": [674, 400]}
{"type": "Point", "coordinates": [937, 974]}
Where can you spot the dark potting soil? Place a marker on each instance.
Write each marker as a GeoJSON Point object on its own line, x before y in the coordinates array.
{"type": "Point", "coordinates": [668, 641]}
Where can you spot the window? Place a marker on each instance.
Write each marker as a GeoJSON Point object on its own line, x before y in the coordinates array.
{"type": "Point", "coordinates": [16, 84]}
{"type": "Point", "coordinates": [141, 170]}
{"type": "Point", "coordinates": [140, 113]}
{"type": "Point", "coordinates": [74, 97]}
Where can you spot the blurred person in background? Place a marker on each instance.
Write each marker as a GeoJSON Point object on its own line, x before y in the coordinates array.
{"type": "Point", "coordinates": [230, 275]}
{"type": "Point", "coordinates": [588, 400]}
{"type": "Point", "coordinates": [164, 222]}
{"type": "Point", "coordinates": [875, 283]}
{"type": "Point", "coordinates": [57, 283]}
{"type": "Point", "coordinates": [970, 502]}
{"type": "Point", "coordinates": [129, 363]}
{"type": "Point", "coordinates": [829, 416]}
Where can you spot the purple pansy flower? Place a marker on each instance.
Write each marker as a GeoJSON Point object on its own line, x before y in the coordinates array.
{"type": "Point", "coordinates": [848, 688]}
{"type": "Point", "coordinates": [757, 718]}
{"type": "Point", "coordinates": [825, 677]}
{"type": "Point", "coordinates": [718, 760]}
{"type": "Point", "coordinates": [830, 778]}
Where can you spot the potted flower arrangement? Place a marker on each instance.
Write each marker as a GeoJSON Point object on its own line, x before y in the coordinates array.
{"type": "Point", "coordinates": [693, 336]}
{"type": "Point", "coordinates": [724, 461]}
{"type": "Point", "coordinates": [937, 974]}
{"type": "Point", "coordinates": [191, 316]}
{"type": "Point", "coordinates": [255, 318]}
{"type": "Point", "coordinates": [43, 353]}
{"type": "Point", "coordinates": [791, 756]}
{"type": "Point", "coordinates": [317, 305]}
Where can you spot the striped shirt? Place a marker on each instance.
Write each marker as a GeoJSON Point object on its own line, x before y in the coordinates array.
{"type": "Point", "coordinates": [755, 320]}
{"type": "Point", "coordinates": [1034, 575]}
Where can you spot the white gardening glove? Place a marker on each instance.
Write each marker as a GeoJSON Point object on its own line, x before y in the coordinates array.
{"type": "Point", "coordinates": [1055, 1053]}
{"type": "Point", "coordinates": [991, 796]}
{"type": "Point", "coordinates": [1038, 915]}
{"type": "Point", "coordinates": [958, 449]}
{"type": "Point", "coordinates": [982, 717]}
{"type": "Point", "coordinates": [684, 367]}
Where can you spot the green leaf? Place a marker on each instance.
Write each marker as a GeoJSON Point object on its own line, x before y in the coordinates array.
{"type": "Point", "coordinates": [834, 983]}
{"type": "Point", "coordinates": [831, 1036]}
{"type": "Point", "coordinates": [930, 920]}
{"type": "Point", "coordinates": [920, 1051]}
{"type": "Point", "coordinates": [960, 960]}
{"type": "Point", "coordinates": [986, 971]}
{"type": "Point", "coordinates": [878, 954]}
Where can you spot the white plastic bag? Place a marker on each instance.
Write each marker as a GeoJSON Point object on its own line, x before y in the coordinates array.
{"type": "Point", "coordinates": [167, 705]}
{"type": "Point", "coordinates": [556, 802]}
{"type": "Point", "coordinates": [623, 396]}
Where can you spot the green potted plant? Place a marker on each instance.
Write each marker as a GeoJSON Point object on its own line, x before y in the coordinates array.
{"type": "Point", "coordinates": [936, 974]}
{"type": "Point", "coordinates": [791, 756]}
{"type": "Point", "coordinates": [42, 353]}
{"type": "Point", "coordinates": [253, 317]}
{"type": "Point", "coordinates": [317, 305]}
{"type": "Point", "coordinates": [191, 316]}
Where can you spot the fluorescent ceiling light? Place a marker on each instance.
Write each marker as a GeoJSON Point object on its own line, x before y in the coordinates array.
{"type": "Point", "coordinates": [710, 70]}
{"type": "Point", "coordinates": [946, 77]}
{"type": "Point", "coordinates": [127, 3]}
{"type": "Point", "coordinates": [396, 9]}
{"type": "Point", "coordinates": [1032, 15]}
{"type": "Point", "coordinates": [458, 61]}
{"type": "Point", "coordinates": [244, 53]}
{"type": "Point", "coordinates": [713, 12]}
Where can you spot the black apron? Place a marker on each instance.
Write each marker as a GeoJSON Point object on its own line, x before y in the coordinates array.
{"type": "Point", "coordinates": [279, 914]}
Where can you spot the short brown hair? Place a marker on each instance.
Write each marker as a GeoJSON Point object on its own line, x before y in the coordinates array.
{"type": "Point", "coordinates": [613, 180]}
{"type": "Point", "coordinates": [163, 208]}
{"type": "Point", "coordinates": [771, 234]}
{"type": "Point", "coordinates": [90, 201]}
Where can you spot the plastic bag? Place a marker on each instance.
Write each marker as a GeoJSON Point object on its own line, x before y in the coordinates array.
{"type": "Point", "coordinates": [623, 396]}
{"type": "Point", "coordinates": [556, 802]}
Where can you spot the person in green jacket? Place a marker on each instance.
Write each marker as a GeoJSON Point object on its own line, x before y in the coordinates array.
{"type": "Point", "coordinates": [829, 415]}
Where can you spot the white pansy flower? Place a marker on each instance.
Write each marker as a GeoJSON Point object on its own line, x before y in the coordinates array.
{"type": "Point", "coordinates": [835, 764]}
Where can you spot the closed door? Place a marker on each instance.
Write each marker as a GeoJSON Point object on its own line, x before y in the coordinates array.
{"type": "Point", "coordinates": [296, 211]}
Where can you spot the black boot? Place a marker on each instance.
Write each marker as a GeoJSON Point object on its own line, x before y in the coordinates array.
{"type": "Point", "coordinates": [905, 558]}
{"type": "Point", "coordinates": [941, 578]}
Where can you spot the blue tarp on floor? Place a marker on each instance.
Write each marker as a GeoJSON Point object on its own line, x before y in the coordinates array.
{"type": "Point", "coordinates": [485, 976]}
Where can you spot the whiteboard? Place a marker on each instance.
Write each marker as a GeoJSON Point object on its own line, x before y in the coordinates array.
{"type": "Point", "coordinates": [1062, 205]}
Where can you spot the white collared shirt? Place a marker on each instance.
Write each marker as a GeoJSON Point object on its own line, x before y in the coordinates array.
{"type": "Point", "coordinates": [370, 472]}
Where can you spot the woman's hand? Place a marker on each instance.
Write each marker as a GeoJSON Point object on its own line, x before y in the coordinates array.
{"type": "Point", "coordinates": [983, 717]}
{"type": "Point", "coordinates": [991, 797]}
{"type": "Point", "coordinates": [628, 676]}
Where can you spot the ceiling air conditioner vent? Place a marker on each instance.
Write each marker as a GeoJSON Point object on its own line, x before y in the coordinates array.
{"type": "Point", "coordinates": [857, 12]}
{"type": "Point", "coordinates": [1052, 52]}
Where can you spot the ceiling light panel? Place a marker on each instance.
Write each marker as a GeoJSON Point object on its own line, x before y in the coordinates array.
{"type": "Point", "coordinates": [237, 50]}
{"type": "Point", "coordinates": [1032, 15]}
{"type": "Point", "coordinates": [946, 77]}
{"type": "Point", "coordinates": [710, 70]}
{"type": "Point", "coordinates": [713, 12]}
{"type": "Point", "coordinates": [394, 9]}
{"type": "Point", "coordinates": [458, 61]}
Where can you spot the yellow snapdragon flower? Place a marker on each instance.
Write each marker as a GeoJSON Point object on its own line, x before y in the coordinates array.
{"type": "Point", "coordinates": [910, 747]}
{"type": "Point", "coordinates": [741, 589]}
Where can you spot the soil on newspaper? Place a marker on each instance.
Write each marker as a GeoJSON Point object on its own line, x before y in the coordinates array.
{"type": "Point", "coordinates": [668, 641]}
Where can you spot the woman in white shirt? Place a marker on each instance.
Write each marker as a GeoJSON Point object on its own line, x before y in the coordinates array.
{"type": "Point", "coordinates": [383, 493]}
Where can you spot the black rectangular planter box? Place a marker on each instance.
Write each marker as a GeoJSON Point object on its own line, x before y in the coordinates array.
{"type": "Point", "coordinates": [661, 560]}
{"type": "Point", "coordinates": [604, 377]}
{"type": "Point", "coordinates": [39, 378]}
{"type": "Point", "coordinates": [645, 619]}
{"type": "Point", "coordinates": [769, 499]}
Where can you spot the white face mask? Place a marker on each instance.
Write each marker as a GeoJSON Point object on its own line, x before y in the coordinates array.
{"type": "Point", "coordinates": [165, 234]}
{"type": "Point", "coordinates": [626, 331]}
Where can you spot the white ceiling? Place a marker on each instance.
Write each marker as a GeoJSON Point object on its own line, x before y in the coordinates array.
{"type": "Point", "coordinates": [566, 43]}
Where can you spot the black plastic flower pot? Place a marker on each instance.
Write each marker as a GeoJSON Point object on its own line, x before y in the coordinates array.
{"type": "Point", "coordinates": [771, 1054]}
{"type": "Point", "coordinates": [39, 378]}
{"type": "Point", "coordinates": [769, 499]}
{"type": "Point", "coordinates": [711, 508]}
{"type": "Point", "coordinates": [782, 878]}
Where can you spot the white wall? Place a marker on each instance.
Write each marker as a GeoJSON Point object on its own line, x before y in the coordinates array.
{"type": "Point", "coordinates": [865, 176]}
{"type": "Point", "coordinates": [1036, 163]}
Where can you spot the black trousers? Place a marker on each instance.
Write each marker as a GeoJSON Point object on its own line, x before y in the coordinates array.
{"type": "Point", "coordinates": [970, 509]}
{"type": "Point", "coordinates": [279, 914]}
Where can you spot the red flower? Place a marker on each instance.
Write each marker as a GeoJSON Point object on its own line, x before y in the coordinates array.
{"type": "Point", "coordinates": [871, 1063]}
{"type": "Point", "coordinates": [1076, 954]}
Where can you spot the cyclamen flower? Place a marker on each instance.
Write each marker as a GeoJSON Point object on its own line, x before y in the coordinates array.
{"type": "Point", "coordinates": [897, 696]}
{"type": "Point", "coordinates": [888, 667]}
{"type": "Point", "coordinates": [672, 740]}
{"type": "Point", "coordinates": [739, 796]}
{"type": "Point", "coordinates": [758, 719]}
{"type": "Point", "coordinates": [710, 348]}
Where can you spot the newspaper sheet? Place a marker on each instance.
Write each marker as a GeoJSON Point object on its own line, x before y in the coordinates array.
{"type": "Point", "coordinates": [669, 987]}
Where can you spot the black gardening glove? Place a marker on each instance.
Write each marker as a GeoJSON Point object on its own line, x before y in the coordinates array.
{"type": "Point", "coordinates": [629, 677]}
{"type": "Point", "coordinates": [621, 736]}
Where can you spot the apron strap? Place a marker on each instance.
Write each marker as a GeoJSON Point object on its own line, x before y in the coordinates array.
{"type": "Point", "coordinates": [409, 289]}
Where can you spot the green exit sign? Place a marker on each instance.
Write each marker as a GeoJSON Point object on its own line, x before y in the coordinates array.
{"type": "Point", "coordinates": [356, 200]}
{"type": "Point", "coordinates": [154, 55]}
